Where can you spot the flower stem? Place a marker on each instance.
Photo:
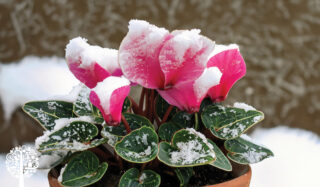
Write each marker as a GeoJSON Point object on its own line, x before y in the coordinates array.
{"type": "Point", "coordinates": [126, 125]}
{"type": "Point", "coordinates": [141, 101]}
{"type": "Point", "coordinates": [166, 115]}
{"type": "Point", "coordinates": [146, 112]}
{"type": "Point", "coordinates": [156, 117]}
{"type": "Point", "coordinates": [151, 116]}
{"type": "Point", "coordinates": [135, 106]}
{"type": "Point", "coordinates": [196, 121]}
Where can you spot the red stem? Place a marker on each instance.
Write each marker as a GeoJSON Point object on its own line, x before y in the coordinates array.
{"type": "Point", "coordinates": [166, 115]}
{"type": "Point", "coordinates": [141, 101]}
{"type": "Point", "coordinates": [146, 112]}
{"type": "Point", "coordinates": [156, 117]}
{"type": "Point", "coordinates": [126, 124]}
{"type": "Point", "coordinates": [151, 106]}
{"type": "Point", "coordinates": [135, 106]}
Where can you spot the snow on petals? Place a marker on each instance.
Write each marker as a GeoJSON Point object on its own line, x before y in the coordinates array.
{"type": "Point", "coordinates": [230, 62]}
{"type": "Point", "coordinates": [139, 51]}
{"type": "Point", "coordinates": [91, 64]}
{"type": "Point", "coordinates": [108, 96]}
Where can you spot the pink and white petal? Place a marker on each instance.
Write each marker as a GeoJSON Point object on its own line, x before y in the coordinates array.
{"type": "Point", "coordinates": [184, 56]}
{"type": "Point", "coordinates": [208, 79]}
{"type": "Point", "coordinates": [232, 66]}
{"type": "Point", "coordinates": [139, 51]}
{"type": "Point", "coordinates": [89, 60]}
{"type": "Point", "coordinates": [108, 96]}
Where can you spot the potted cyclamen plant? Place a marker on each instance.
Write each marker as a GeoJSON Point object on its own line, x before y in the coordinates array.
{"type": "Point", "coordinates": [177, 134]}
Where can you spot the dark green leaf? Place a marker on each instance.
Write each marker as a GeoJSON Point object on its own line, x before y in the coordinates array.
{"type": "Point", "coordinates": [188, 148]}
{"type": "Point", "coordinates": [133, 178]}
{"type": "Point", "coordinates": [222, 162]}
{"type": "Point", "coordinates": [83, 107]}
{"type": "Point", "coordinates": [184, 175]}
{"type": "Point", "coordinates": [70, 137]}
{"type": "Point", "coordinates": [134, 121]}
{"type": "Point", "coordinates": [229, 122]}
{"type": "Point", "coordinates": [140, 146]}
{"type": "Point", "coordinates": [243, 151]}
{"type": "Point", "coordinates": [162, 106]}
{"type": "Point", "coordinates": [46, 112]}
{"type": "Point", "coordinates": [126, 105]}
{"type": "Point", "coordinates": [83, 169]}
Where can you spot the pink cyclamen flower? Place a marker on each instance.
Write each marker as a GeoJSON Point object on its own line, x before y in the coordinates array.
{"type": "Point", "coordinates": [108, 96]}
{"type": "Point", "coordinates": [230, 62]}
{"type": "Point", "coordinates": [168, 62]}
{"type": "Point", "coordinates": [91, 64]}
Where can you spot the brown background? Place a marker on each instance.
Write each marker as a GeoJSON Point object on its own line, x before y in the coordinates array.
{"type": "Point", "coordinates": [279, 39]}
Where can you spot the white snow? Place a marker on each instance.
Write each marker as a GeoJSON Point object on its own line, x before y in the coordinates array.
{"type": "Point", "coordinates": [296, 161]}
{"type": "Point", "coordinates": [61, 172]}
{"type": "Point", "coordinates": [142, 177]}
{"type": "Point", "coordinates": [209, 78]}
{"type": "Point", "coordinates": [78, 48]}
{"type": "Point", "coordinates": [243, 106]}
{"type": "Point", "coordinates": [33, 78]}
{"type": "Point", "coordinates": [218, 48]}
{"type": "Point", "coordinates": [136, 27]}
{"type": "Point", "coordinates": [105, 89]}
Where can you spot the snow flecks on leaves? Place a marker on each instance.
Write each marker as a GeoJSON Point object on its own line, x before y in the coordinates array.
{"type": "Point", "coordinates": [243, 106]}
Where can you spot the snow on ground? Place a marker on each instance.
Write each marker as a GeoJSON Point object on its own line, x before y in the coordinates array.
{"type": "Point", "coordinates": [33, 78]}
{"type": "Point", "coordinates": [296, 161]}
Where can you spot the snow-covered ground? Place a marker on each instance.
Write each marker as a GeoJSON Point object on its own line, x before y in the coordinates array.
{"type": "Point", "coordinates": [296, 162]}
{"type": "Point", "coordinates": [33, 78]}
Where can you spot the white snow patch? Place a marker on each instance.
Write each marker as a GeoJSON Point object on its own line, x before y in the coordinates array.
{"type": "Point", "coordinates": [296, 161]}
{"type": "Point", "coordinates": [61, 172]}
{"type": "Point", "coordinates": [218, 48]}
{"type": "Point", "coordinates": [142, 177]}
{"type": "Point", "coordinates": [209, 78]}
{"type": "Point", "coordinates": [33, 78]}
{"type": "Point", "coordinates": [105, 89]}
{"type": "Point", "coordinates": [243, 106]}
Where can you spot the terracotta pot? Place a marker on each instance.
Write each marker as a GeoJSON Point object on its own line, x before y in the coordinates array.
{"type": "Point", "coordinates": [243, 180]}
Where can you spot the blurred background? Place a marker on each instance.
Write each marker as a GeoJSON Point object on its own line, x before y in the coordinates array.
{"type": "Point", "coordinates": [279, 39]}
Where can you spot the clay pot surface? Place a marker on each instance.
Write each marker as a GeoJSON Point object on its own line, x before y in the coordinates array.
{"type": "Point", "coordinates": [242, 181]}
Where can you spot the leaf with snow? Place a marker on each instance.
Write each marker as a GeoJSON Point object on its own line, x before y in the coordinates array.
{"type": "Point", "coordinates": [46, 112]}
{"type": "Point", "coordinates": [74, 136]}
{"type": "Point", "coordinates": [83, 169]}
{"type": "Point", "coordinates": [222, 162]}
{"type": "Point", "coordinates": [243, 151]}
{"type": "Point", "coordinates": [114, 133]}
{"type": "Point", "coordinates": [188, 148]}
{"type": "Point", "coordinates": [140, 146]}
{"type": "Point", "coordinates": [184, 175]}
{"type": "Point", "coordinates": [229, 122]}
{"type": "Point", "coordinates": [51, 159]}
{"type": "Point", "coordinates": [179, 121]}
{"type": "Point", "coordinates": [133, 178]}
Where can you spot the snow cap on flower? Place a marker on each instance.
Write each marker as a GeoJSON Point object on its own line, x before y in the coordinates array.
{"type": "Point", "coordinates": [230, 62]}
{"type": "Point", "coordinates": [108, 96]}
{"type": "Point", "coordinates": [139, 52]}
{"type": "Point", "coordinates": [189, 95]}
{"type": "Point", "coordinates": [91, 64]}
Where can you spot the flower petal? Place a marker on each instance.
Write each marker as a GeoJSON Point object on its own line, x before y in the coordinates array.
{"type": "Point", "coordinates": [189, 95]}
{"type": "Point", "coordinates": [108, 96]}
{"type": "Point", "coordinates": [184, 56]}
{"type": "Point", "coordinates": [230, 62]}
{"type": "Point", "coordinates": [91, 64]}
{"type": "Point", "coordinates": [139, 51]}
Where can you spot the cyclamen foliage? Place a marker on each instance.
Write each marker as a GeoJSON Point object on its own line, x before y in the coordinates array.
{"type": "Point", "coordinates": [178, 123]}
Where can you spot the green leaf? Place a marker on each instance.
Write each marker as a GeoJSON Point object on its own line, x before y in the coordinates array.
{"type": "Point", "coordinates": [188, 148]}
{"type": "Point", "coordinates": [179, 121]}
{"type": "Point", "coordinates": [162, 106]}
{"type": "Point", "coordinates": [46, 112]}
{"type": "Point", "coordinates": [206, 102]}
{"type": "Point", "coordinates": [83, 107]}
{"type": "Point", "coordinates": [167, 130]}
{"type": "Point", "coordinates": [52, 159]}
{"type": "Point", "coordinates": [243, 151]}
{"type": "Point", "coordinates": [184, 175]}
{"type": "Point", "coordinates": [140, 146]}
{"type": "Point", "coordinates": [229, 122]}
{"type": "Point", "coordinates": [133, 178]}
{"type": "Point", "coordinates": [134, 121]}
{"type": "Point", "coordinates": [222, 162]}
{"type": "Point", "coordinates": [69, 137]}
{"type": "Point", "coordinates": [83, 169]}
